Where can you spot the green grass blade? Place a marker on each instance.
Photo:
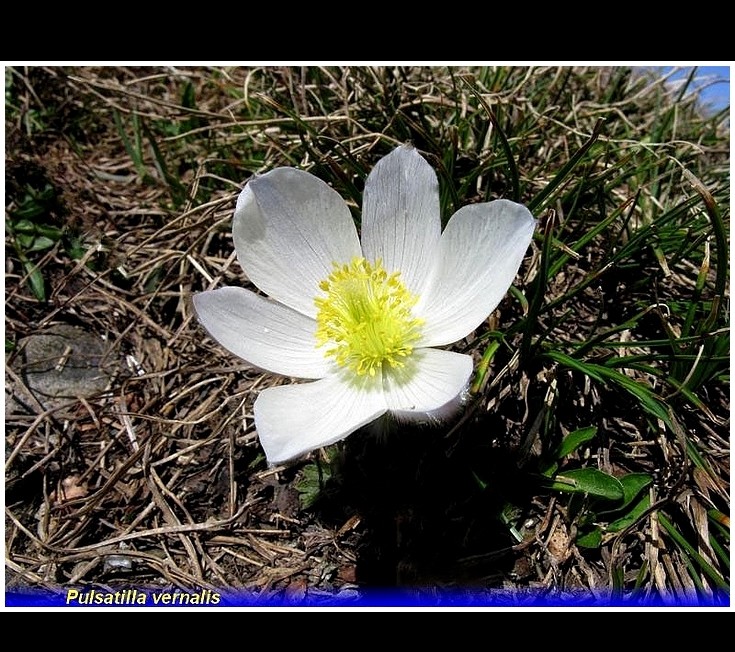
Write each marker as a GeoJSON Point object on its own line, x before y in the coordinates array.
{"type": "Point", "coordinates": [690, 551]}
{"type": "Point", "coordinates": [510, 159]}
{"type": "Point", "coordinates": [538, 201]}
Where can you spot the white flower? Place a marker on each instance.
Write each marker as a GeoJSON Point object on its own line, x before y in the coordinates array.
{"type": "Point", "coordinates": [360, 319]}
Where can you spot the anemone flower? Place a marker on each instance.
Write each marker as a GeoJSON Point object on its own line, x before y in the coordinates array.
{"type": "Point", "coordinates": [359, 317]}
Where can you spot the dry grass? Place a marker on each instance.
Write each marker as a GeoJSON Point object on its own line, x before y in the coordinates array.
{"type": "Point", "coordinates": [158, 482]}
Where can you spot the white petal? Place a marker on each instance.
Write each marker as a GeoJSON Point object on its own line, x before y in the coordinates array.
{"type": "Point", "coordinates": [430, 379]}
{"type": "Point", "coordinates": [479, 255]}
{"type": "Point", "coordinates": [289, 228]}
{"type": "Point", "coordinates": [294, 419]}
{"type": "Point", "coordinates": [267, 334]}
{"type": "Point", "coordinates": [400, 216]}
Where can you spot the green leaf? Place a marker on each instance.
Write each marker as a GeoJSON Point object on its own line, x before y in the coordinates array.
{"type": "Point", "coordinates": [549, 469]}
{"type": "Point", "coordinates": [24, 226]}
{"type": "Point", "coordinates": [589, 481]}
{"type": "Point", "coordinates": [25, 241]}
{"type": "Point", "coordinates": [29, 209]}
{"type": "Point", "coordinates": [41, 243]}
{"type": "Point", "coordinates": [35, 280]}
{"type": "Point", "coordinates": [51, 232]}
{"type": "Point", "coordinates": [633, 484]}
{"type": "Point", "coordinates": [591, 539]}
{"type": "Point", "coordinates": [647, 398]}
{"type": "Point", "coordinates": [75, 248]}
{"type": "Point", "coordinates": [632, 516]}
{"type": "Point", "coordinates": [311, 484]}
{"type": "Point", "coordinates": [574, 440]}
{"type": "Point", "coordinates": [575, 365]}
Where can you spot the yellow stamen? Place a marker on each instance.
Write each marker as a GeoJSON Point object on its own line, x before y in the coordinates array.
{"type": "Point", "coordinates": [366, 317]}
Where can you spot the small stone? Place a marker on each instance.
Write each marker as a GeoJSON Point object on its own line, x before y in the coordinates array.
{"type": "Point", "coordinates": [63, 362]}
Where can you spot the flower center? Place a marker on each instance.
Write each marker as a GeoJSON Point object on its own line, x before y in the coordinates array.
{"type": "Point", "coordinates": [366, 317]}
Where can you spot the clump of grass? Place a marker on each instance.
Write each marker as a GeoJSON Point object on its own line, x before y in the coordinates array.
{"type": "Point", "coordinates": [593, 456]}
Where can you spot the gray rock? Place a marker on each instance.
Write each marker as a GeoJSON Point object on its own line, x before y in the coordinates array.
{"type": "Point", "coordinates": [63, 362]}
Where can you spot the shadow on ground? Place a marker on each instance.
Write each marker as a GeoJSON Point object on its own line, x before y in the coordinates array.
{"type": "Point", "coordinates": [429, 503]}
